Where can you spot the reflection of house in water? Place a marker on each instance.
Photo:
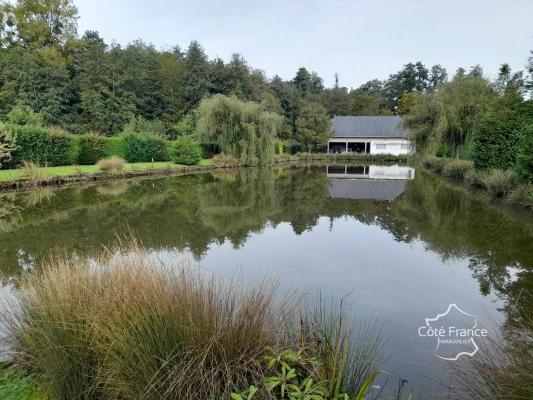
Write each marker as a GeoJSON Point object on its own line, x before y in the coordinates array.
{"type": "Point", "coordinates": [368, 182]}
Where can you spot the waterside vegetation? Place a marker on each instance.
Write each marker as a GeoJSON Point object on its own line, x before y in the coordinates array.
{"type": "Point", "coordinates": [128, 326]}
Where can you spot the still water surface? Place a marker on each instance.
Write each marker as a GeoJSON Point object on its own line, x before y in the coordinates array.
{"type": "Point", "coordinates": [402, 245]}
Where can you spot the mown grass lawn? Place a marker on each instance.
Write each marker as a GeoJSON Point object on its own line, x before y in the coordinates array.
{"type": "Point", "coordinates": [10, 175]}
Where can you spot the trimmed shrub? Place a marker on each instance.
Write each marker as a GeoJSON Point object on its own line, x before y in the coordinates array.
{"type": "Point", "coordinates": [63, 148]}
{"type": "Point", "coordinates": [456, 169]}
{"type": "Point", "coordinates": [32, 142]}
{"type": "Point", "coordinates": [142, 147]}
{"type": "Point", "coordinates": [501, 182]}
{"type": "Point", "coordinates": [435, 164]}
{"type": "Point", "coordinates": [115, 146]}
{"type": "Point", "coordinates": [524, 158]}
{"type": "Point", "coordinates": [92, 149]}
{"type": "Point", "coordinates": [186, 151]}
{"type": "Point", "coordinates": [113, 164]}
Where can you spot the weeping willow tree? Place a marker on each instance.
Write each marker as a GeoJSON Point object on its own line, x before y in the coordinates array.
{"type": "Point", "coordinates": [241, 129]}
{"type": "Point", "coordinates": [444, 123]}
{"type": "Point", "coordinates": [462, 103]}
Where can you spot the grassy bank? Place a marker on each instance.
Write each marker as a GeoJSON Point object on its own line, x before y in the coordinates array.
{"type": "Point", "coordinates": [498, 184]}
{"type": "Point", "coordinates": [47, 175]}
{"type": "Point", "coordinates": [43, 176]}
{"type": "Point", "coordinates": [133, 328]}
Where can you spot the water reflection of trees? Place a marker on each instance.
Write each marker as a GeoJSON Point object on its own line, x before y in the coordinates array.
{"type": "Point", "coordinates": [195, 211]}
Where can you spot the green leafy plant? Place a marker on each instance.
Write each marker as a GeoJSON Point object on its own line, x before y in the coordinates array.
{"type": "Point", "coordinates": [8, 144]}
{"type": "Point", "coordinates": [186, 150]}
{"type": "Point", "coordinates": [246, 395]}
{"type": "Point", "coordinates": [23, 115]}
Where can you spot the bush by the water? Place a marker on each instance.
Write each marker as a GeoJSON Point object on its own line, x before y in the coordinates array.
{"type": "Point", "coordinates": [112, 164]}
{"type": "Point", "coordinates": [225, 161]}
{"type": "Point", "coordinates": [127, 327]}
{"type": "Point", "coordinates": [186, 150]}
{"type": "Point", "coordinates": [143, 147]}
{"type": "Point", "coordinates": [457, 169]}
{"type": "Point", "coordinates": [435, 164]}
{"type": "Point", "coordinates": [500, 183]}
{"type": "Point", "coordinates": [475, 178]}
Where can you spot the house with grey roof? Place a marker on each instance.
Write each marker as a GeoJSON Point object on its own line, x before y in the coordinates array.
{"type": "Point", "coordinates": [370, 135]}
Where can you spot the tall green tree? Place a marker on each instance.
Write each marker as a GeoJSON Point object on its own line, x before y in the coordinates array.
{"type": "Point", "coordinates": [194, 81]}
{"type": "Point", "coordinates": [39, 23]}
{"type": "Point", "coordinates": [461, 104]}
{"type": "Point", "coordinates": [313, 126]}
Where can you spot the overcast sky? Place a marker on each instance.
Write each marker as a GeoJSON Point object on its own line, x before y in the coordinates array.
{"type": "Point", "coordinates": [359, 39]}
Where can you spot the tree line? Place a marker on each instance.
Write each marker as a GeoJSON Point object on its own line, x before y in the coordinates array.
{"type": "Point", "coordinates": [84, 85]}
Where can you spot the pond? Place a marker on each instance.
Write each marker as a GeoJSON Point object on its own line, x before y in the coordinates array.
{"type": "Point", "coordinates": [399, 244]}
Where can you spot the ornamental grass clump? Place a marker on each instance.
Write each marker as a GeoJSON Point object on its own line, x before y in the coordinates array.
{"type": "Point", "coordinates": [112, 164]}
{"type": "Point", "coordinates": [435, 164]}
{"type": "Point", "coordinates": [126, 326]}
{"type": "Point", "coordinates": [501, 183]}
{"type": "Point", "coordinates": [456, 169]}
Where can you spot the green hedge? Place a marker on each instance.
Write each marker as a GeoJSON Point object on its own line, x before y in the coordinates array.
{"type": "Point", "coordinates": [63, 149]}
{"type": "Point", "coordinates": [524, 158]}
{"type": "Point", "coordinates": [52, 146]}
{"type": "Point", "coordinates": [186, 151]}
{"type": "Point", "coordinates": [115, 147]}
{"type": "Point", "coordinates": [44, 147]}
{"type": "Point", "coordinates": [92, 149]}
{"type": "Point", "coordinates": [32, 142]}
{"type": "Point", "coordinates": [143, 147]}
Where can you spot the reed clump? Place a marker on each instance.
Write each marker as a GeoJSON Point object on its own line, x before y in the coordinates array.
{"type": "Point", "coordinates": [126, 326]}
{"type": "Point", "coordinates": [112, 164]}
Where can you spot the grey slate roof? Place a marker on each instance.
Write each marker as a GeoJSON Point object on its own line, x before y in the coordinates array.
{"type": "Point", "coordinates": [365, 189]}
{"type": "Point", "coordinates": [372, 127]}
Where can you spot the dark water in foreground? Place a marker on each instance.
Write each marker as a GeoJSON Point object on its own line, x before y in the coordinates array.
{"type": "Point", "coordinates": [403, 245]}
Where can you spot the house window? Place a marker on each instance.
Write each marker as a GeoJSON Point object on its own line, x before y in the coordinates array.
{"type": "Point", "coordinates": [381, 146]}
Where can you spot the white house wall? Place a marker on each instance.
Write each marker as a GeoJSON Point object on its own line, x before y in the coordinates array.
{"type": "Point", "coordinates": [389, 146]}
{"type": "Point", "coordinates": [380, 146]}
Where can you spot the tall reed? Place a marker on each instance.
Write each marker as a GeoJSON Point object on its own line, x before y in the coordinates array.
{"type": "Point", "coordinates": [126, 326]}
